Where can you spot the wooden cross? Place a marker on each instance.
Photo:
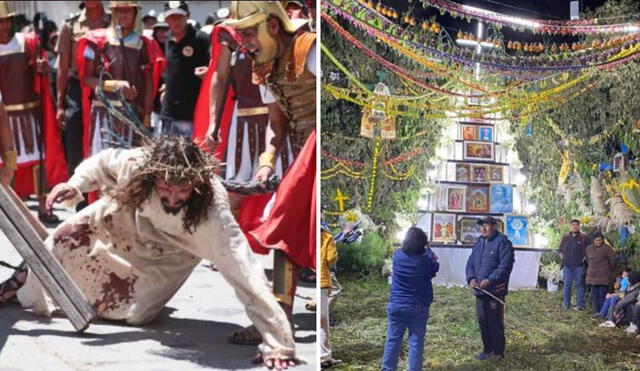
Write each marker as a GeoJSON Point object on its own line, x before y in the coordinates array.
{"type": "Point", "coordinates": [340, 199]}
{"type": "Point", "coordinates": [26, 234]}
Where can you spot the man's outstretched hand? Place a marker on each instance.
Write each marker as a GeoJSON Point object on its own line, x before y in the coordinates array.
{"type": "Point", "coordinates": [61, 192]}
{"type": "Point", "coordinates": [279, 363]}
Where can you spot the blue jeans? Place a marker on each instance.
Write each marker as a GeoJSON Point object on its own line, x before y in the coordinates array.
{"type": "Point", "coordinates": [598, 294]}
{"type": "Point", "coordinates": [611, 302]}
{"type": "Point", "coordinates": [414, 318]}
{"type": "Point", "coordinates": [570, 274]}
{"type": "Point", "coordinates": [175, 128]}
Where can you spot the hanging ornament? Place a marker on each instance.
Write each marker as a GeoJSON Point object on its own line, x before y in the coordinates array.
{"type": "Point", "coordinates": [377, 116]}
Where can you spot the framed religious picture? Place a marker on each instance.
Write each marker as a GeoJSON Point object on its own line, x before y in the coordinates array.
{"type": "Point", "coordinates": [501, 198]}
{"type": "Point", "coordinates": [468, 132]}
{"type": "Point", "coordinates": [480, 173]}
{"type": "Point", "coordinates": [485, 133]}
{"type": "Point", "coordinates": [463, 173]}
{"type": "Point", "coordinates": [456, 197]}
{"type": "Point", "coordinates": [478, 199]}
{"type": "Point", "coordinates": [468, 230]}
{"type": "Point", "coordinates": [517, 230]}
{"type": "Point", "coordinates": [482, 151]}
{"type": "Point", "coordinates": [496, 174]}
{"type": "Point", "coordinates": [444, 228]}
{"type": "Point", "coordinates": [619, 162]}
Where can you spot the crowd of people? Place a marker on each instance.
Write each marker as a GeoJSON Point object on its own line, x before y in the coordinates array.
{"type": "Point", "coordinates": [128, 117]}
{"type": "Point", "coordinates": [592, 262]}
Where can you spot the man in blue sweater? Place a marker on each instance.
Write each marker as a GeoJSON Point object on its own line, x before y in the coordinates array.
{"type": "Point", "coordinates": [488, 270]}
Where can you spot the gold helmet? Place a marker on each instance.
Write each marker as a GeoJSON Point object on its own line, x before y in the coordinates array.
{"type": "Point", "coordinates": [249, 14]}
{"type": "Point", "coordinates": [4, 10]}
{"type": "Point", "coordinates": [124, 4]}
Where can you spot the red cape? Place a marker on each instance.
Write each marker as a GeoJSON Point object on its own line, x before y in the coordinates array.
{"type": "Point", "coordinates": [202, 112]}
{"type": "Point", "coordinates": [55, 162]}
{"type": "Point", "coordinates": [291, 225]}
{"type": "Point", "coordinates": [252, 207]}
{"type": "Point", "coordinates": [100, 37]}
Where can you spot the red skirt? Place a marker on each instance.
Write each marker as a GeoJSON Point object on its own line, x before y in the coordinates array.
{"type": "Point", "coordinates": [291, 225]}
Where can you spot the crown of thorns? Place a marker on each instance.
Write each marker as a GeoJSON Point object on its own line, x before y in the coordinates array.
{"type": "Point", "coordinates": [176, 160]}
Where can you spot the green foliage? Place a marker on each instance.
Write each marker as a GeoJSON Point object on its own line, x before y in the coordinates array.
{"type": "Point", "coordinates": [610, 106]}
{"type": "Point", "coordinates": [365, 257]}
{"type": "Point", "coordinates": [340, 137]}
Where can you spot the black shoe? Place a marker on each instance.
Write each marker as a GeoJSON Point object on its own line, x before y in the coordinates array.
{"type": "Point", "coordinates": [482, 356]}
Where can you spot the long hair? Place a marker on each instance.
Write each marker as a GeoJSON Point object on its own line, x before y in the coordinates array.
{"type": "Point", "coordinates": [414, 241]}
{"type": "Point", "coordinates": [174, 160]}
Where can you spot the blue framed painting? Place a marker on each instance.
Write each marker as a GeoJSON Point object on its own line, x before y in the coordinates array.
{"type": "Point", "coordinates": [501, 198]}
{"type": "Point", "coordinates": [485, 133]}
{"type": "Point", "coordinates": [517, 228]}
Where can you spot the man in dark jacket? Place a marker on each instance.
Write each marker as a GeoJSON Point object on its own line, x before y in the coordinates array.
{"type": "Point", "coordinates": [572, 252]}
{"type": "Point", "coordinates": [488, 270]}
{"type": "Point", "coordinates": [187, 50]}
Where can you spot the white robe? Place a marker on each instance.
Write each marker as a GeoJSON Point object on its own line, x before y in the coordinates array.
{"type": "Point", "coordinates": [129, 264]}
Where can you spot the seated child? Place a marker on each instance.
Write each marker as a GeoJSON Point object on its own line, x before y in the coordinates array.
{"type": "Point", "coordinates": [620, 287]}
{"type": "Point", "coordinates": [622, 311]}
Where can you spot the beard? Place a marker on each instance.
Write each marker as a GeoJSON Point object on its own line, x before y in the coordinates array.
{"type": "Point", "coordinates": [172, 210]}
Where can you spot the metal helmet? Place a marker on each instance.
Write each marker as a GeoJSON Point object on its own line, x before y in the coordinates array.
{"type": "Point", "coordinates": [4, 10]}
{"type": "Point", "coordinates": [249, 14]}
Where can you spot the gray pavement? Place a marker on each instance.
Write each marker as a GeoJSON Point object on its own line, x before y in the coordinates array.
{"type": "Point", "coordinates": [190, 333]}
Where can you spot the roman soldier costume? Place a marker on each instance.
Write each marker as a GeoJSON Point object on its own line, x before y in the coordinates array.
{"type": "Point", "coordinates": [133, 59]}
{"type": "Point", "coordinates": [29, 105]}
{"type": "Point", "coordinates": [290, 227]}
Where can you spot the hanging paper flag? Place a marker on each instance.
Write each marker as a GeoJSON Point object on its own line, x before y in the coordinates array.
{"type": "Point", "coordinates": [604, 167]}
{"type": "Point", "coordinates": [377, 116]}
{"type": "Point", "coordinates": [624, 149]}
{"type": "Point", "coordinates": [565, 168]}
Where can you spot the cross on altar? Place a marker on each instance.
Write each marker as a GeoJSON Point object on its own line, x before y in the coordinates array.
{"type": "Point", "coordinates": [340, 199]}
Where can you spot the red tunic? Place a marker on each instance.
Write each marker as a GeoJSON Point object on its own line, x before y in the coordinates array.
{"type": "Point", "coordinates": [22, 85]}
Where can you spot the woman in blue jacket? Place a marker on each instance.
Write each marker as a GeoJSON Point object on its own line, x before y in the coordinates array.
{"type": "Point", "coordinates": [414, 265]}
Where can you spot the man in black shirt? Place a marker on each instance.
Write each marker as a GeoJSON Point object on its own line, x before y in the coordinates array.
{"type": "Point", "coordinates": [572, 250]}
{"type": "Point", "coordinates": [187, 49]}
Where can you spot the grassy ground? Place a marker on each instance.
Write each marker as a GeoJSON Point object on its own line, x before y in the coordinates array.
{"type": "Point", "coordinates": [540, 334]}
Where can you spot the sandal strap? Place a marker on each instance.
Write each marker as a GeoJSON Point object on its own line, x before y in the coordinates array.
{"type": "Point", "coordinates": [7, 265]}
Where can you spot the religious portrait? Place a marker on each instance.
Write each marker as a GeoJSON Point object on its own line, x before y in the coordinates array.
{"type": "Point", "coordinates": [619, 162]}
{"type": "Point", "coordinates": [463, 173]}
{"type": "Point", "coordinates": [468, 230]}
{"type": "Point", "coordinates": [480, 173]}
{"type": "Point", "coordinates": [478, 199]}
{"type": "Point", "coordinates": [501, 198]}
{"type": "Point", "coordinates": [478, 151]}
{"type": "Point", "coordinates": [468, 132]}
{"type": "Point", "coordinates": [496, 174]}
{"type": "Point", "coordinates": [518, 230]}
{"type": "Point", "coordinates": [456, 198]}
{"type": "Point", "coordinates": [444, 228]}
{"type": "Point", "coordinates": [485, 133]}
